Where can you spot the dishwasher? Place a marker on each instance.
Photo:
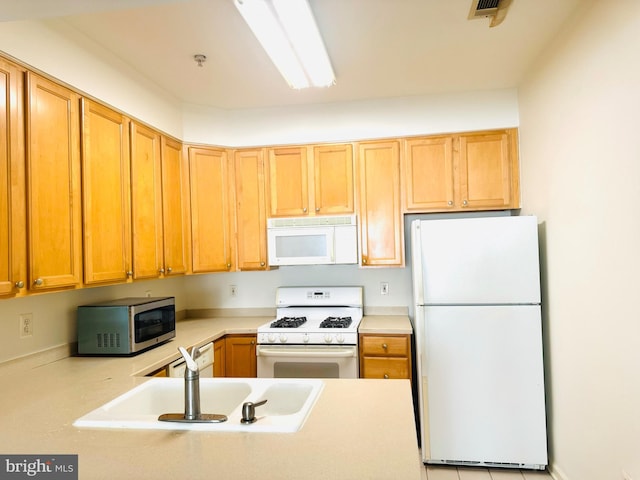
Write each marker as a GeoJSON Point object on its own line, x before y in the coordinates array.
{"type": "Point", "coordinates": [204, 361]}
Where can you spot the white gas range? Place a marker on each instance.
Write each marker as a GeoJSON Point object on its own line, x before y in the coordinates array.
{"type": "Point", "coordinates": [314, 334]}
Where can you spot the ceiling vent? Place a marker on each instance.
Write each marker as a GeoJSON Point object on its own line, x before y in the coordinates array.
{"type": "Point", "coordinates": [494, 9]}
{"type": "Point", "coordinates": [483, 8]}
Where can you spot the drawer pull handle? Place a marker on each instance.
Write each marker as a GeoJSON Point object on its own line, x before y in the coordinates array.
{"type": "Point", "coordinates": [385, 346]}
{"type": "Point", "coordinates": [386, 375]}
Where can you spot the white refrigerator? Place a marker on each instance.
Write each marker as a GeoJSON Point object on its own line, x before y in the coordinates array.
{"type": "Point", "coordinates": [478, 336]}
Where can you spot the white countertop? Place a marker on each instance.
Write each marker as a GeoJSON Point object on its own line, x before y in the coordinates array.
{"type": "Point", "coordinates": [358, 429]}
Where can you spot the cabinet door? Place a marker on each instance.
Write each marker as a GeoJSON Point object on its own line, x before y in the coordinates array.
{"type": "Point", "coordinates": [288, 182]}
{"type": "Point", "coordinates": [251, 219]}
{"type": "Point", "coordinates": [53, 188]}
{"type": "Point", "coordinates": [175, 195]}
{"type": "Point", "coordinates": [13, 258]}
{"type": "Point", "coordinates": [105, 194]}
{"type": "Point", "coordinates": [219, 358]}
{"type": "Point", "coordinates": [381, 223]}
{"type": "Point", "coordinates": [209, 210]}
{"type": "Point", "coordinates": [240, 356]}
{"type": "Point", "coordinates": [146, 202]}
{"type": "Point", "coordinates": [333, 179]}
{"type": "Point", "coordinates": [428, 174]}
{"type": "Point", "coordinates": [488, 170]}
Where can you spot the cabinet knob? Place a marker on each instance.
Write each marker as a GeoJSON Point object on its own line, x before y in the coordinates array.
{"type": "Point", "coordinates": [464, 202]}
{"type": "Point", "coordinates": [169, 269]}
{"type": "Point", "coordinates": [385, 346]}
{"type": "Point", "coordinates": [19, 284]}
{"type": "Point", "coordinates": [262, 264]}
{"type": "Point", "coordinates": [304, 209]}
{"type": "Point", "coordinates": [161, 270]}
{"type": "Point", "coordinates": [228, 265]}
{"type": "Point", "coordinates": [450, 202]}
{"type": "Point", "coordinates": [129, 273]}
{"type": "Point", "coordinates": [39, 282]}
{"type": "Point", "coordinates": [317, 209]}
{"type": "Point", "coordinates": [386, 375]}
{"type": "Point", "coordinates": [364, 260]}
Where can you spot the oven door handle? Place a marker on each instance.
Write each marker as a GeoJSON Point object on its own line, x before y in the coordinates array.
{"type": "Point", "coordinates": [334, 352]}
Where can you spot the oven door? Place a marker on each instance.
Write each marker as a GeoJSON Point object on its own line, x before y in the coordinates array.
{"type": "Point", "coordinates": [307, 361]}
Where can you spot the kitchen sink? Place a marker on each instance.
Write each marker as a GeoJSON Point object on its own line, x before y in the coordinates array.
{"type": "Point", "coordinates": [289, 402]}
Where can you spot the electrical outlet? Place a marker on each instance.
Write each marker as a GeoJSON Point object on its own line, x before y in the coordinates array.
{"type": "Point", "coordinates": [626, 476]}
{"type": "Point", "coordinates": [26, 324]}
{"type": "Point", "coordinates": [233, 289]}
{"type": "Point", "coordinates": [384, 288]}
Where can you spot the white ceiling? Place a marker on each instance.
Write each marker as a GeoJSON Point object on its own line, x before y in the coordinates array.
{"type": "Point", "coordinates": [378, 48]}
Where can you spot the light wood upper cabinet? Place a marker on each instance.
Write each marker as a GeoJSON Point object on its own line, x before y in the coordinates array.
{"type": "Point", "coordinates": [428, 174]}
{"type": "Point", "coordinates": [175, 210]}
{"type": "Point", "coordinates": [333, 179]}
{"type": "Point", "coordinates": [250, 212]}
{"type": "Point", "coordinates": [310, 180]}
{"type": "Point", "coordinates": [475, 171]}
{"type": "Point", "coordinates": [159, 196]}
{"type": "Point", "coordinates": [105, 194]}
{"type": "Point", "coordinates": [381, 221]}
{"type": "Point", "coordinates": [13, 258]}
{"type": "Point", "coordinates": [288, 182]}
{"type": "Point", "coordinates": [146, 202]}
{"type": "Point", "coordinates": [210, 214]}
{"type": "Point", "coordinates": [54, 222]}
{"type": "Point", "coordinates": [489, 176]}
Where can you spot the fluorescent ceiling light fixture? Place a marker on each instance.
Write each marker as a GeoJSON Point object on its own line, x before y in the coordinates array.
{"type": "Point", "coordinates": [288, 33]}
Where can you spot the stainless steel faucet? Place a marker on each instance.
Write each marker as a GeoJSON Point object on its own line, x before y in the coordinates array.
{"type": "Point", "coordinates": [192, 413]}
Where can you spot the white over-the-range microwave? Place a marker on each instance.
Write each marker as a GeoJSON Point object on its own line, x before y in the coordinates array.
{"type": "Point", "coordinates": [319, 240]}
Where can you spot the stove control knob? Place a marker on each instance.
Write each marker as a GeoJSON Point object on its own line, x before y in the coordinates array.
{"type": "Point", "coordinates": [271, 338]}
{"type": "Point", "coordinates": [340, 338]}
{"type": "Point", "coordinates": [328, 338]}
{"type": "Point", "coordinates": [283, 338]}
{"type": "Point", "coordinates": [305, 338]}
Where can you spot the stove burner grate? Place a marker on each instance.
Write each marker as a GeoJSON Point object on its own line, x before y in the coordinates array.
{"type": "Point", "coordinates": [288, 322]}
{"type": "Point", "coordinates": [336, 322]}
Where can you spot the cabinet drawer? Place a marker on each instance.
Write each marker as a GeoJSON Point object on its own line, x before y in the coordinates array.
{"type": "Point", "coordinates": [385, 345]}
{"type": "Point", "coordinates": [385, 367]}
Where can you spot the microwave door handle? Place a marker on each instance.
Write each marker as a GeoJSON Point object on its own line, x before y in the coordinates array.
{"type": "Point", "coordinates": [332, 248]}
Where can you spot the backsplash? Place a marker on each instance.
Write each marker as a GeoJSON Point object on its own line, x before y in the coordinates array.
{"type": "Point", "coordinates": [54, 314]}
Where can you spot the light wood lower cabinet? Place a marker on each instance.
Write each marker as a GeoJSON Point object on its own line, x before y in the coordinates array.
{"type": "Point", "coordinates": [219, 358]}
{"type": "Point", "coordinates": [385, 356]}
{"type": "Point", "coordinates": [235, 356]}
{"type": "Point", "coordinates": [54, 216]}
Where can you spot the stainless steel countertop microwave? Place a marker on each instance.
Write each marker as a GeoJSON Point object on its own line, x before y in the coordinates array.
{"type": "Point", "coordinates": [125, 326]}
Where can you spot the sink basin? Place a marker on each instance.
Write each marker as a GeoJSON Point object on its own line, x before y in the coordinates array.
{"type": "Point", "coordinates": [289, 402]}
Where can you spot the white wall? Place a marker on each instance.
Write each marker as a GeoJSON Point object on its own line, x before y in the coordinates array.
{"type": "Point", "coordinates": [350, 121]}
{"type": "Point", "coordinates": [580, 163]}
{"type": "Point", "coordinates": [60, 51]}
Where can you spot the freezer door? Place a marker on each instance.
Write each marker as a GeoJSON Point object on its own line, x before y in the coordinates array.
{"type": "Point", "coordinates": [473, 261]}
{"type": "Point", "coordinates": [483, 375]}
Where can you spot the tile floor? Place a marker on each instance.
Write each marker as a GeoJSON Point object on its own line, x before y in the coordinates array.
{"type": "Point", "coordinates": [432, 472]}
